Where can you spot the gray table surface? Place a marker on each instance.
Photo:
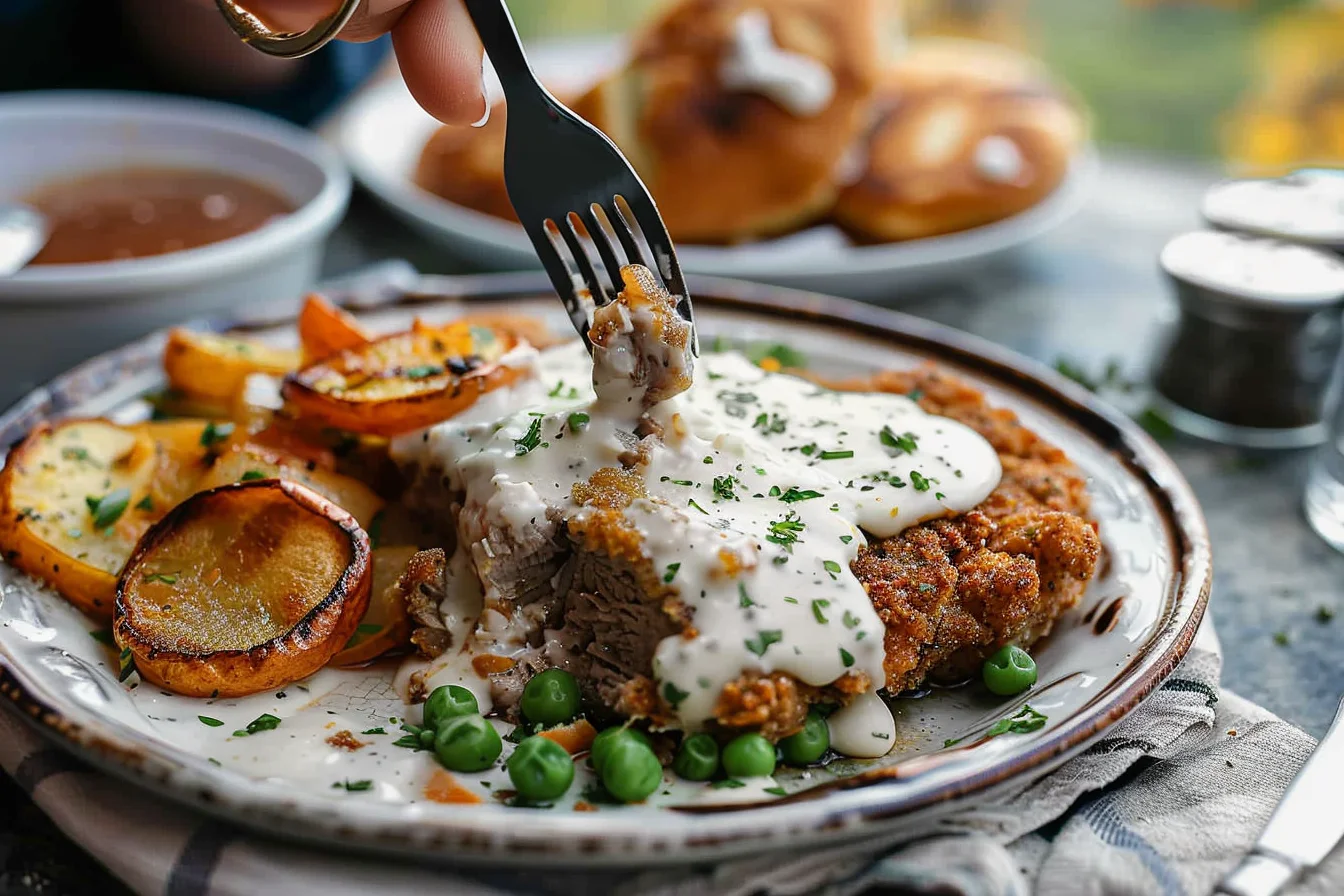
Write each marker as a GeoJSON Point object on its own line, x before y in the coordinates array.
{"type": "Point", "coordinates": [1091, 292]}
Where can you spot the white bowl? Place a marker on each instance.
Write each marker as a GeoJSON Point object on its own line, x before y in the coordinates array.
{"type": "Point", "coordinates": [56, 315]}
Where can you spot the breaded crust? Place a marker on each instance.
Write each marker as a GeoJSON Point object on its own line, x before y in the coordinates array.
{"type": "Point", "coordinates": [950, 592]}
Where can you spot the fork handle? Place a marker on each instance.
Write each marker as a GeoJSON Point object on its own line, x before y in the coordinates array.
{"type": "Point", "coordinates": [500, 38]}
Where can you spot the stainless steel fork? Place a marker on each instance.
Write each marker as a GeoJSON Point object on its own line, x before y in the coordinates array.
{"type": "Point", "coordinates": [581, 203]}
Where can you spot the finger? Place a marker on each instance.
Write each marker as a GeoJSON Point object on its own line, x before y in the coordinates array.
{"type": "Point", "coordinates": [440, 58]}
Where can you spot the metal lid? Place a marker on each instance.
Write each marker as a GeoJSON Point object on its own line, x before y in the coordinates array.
{"type": "Point", "coordinates": [1307, 206]}
{"type": "Point", "coordinates": [1261, 272]}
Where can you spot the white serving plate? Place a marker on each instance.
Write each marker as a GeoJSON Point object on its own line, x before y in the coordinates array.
{"type": "Point", "coordinates": [383, 131]}
{"type": "Point", "coordinates": [1127, 635]}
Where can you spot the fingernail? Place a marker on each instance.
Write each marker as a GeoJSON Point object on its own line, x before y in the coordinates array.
{"type": "Point", "coordinates": [485, 98]}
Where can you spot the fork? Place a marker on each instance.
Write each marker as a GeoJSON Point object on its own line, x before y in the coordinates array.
{"type": "Point", "coordinates": [583, 206]}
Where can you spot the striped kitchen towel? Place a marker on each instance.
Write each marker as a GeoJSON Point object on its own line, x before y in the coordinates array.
{"type": "Point", "coordinates": [1167, 802]}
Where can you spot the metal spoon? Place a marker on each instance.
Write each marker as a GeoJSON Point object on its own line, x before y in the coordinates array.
{"type": "Point", "coordinates": [23, 233]}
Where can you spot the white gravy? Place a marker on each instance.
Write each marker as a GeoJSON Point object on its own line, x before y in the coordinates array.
{"type": "Point", "coordinates": [758, 498]}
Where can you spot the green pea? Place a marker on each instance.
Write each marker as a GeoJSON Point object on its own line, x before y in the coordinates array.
{"type": "Point", "coordinates": [604, 741]}
{"type": "Point", "coordinates": [698, 758]}
{"type": "Point", "coordinates": [551, 697]}
{"type": "Point", "coordinates": [448, 701]}
{"type": "Point", "coordinates": [808, 745]}
{"type": "Point", "coordinates": [749, 756]}
{"type": "Point", "coordinates": [467, 744]}
{"type": "Point", "coordinates": [540, 769]}
{"type": "Point", "coordinates": [631, 771]}
{"type": "Point", "coordinates": [1009, 670]}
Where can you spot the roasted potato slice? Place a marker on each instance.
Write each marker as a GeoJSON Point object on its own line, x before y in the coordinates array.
{"type": "Point", "coordinates": [183, 453]}
{"type": "Point", "coordinates": [249, 462]}
{"type": "Point", "coordinates": [243, 588]}
{"type": "Point", "coordinates": [385, 624]}
{"type": "Point", "coordinates": [74, 498]}
{"type": "Point", "coordinates": [211, 368]}
{"type": "Point", "coordinates": [404, 382]}
{"type": "Point", "coordinates": [325, 330]}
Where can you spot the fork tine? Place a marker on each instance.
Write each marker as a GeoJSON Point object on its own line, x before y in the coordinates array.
{"type": "Point", "coordinates": [602, 240]}
{"type": "Point", "coordinates": [596, 286]}
{"type": "Point", "coordinates": [664, 255]}
{"type": "Point", "coordinates": [562, 277]}
{"type": "Point", "coordinates": [624, 226]}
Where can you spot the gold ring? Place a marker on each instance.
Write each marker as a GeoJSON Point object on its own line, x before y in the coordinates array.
{"type": "Point", "coordinates": [285, 44]}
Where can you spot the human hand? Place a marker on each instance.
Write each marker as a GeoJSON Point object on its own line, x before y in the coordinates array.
{"type": "Point", "coordinates": [435, 42]}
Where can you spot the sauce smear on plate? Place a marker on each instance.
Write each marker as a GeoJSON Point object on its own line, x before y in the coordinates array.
{"type": "Point", "coordinates": [134, 213]}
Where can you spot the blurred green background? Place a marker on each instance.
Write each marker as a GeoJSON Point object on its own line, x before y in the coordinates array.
{"type": "Point", "coordinates": [1258, 82]}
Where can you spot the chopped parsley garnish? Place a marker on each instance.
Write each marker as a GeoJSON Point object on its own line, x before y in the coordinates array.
{"type": "Point", "coordinates": [776, 791]}
{"type": "Point", "coordinates": [578, 421]}
{"type": "Point", "coordinates": [787, 356]}
{"type": "Point", "coordinates": [790, 600]}
{"type": "Point", "coordinates": [723, 487]}
{"type": "Point", "coordinates": [213, 723]}
{"type": "Point", "coordinates": [794, 495]}
{"type": "Point", "coordinates": [708, 459]}
{"type": "Point", "coordinates": [530, 440]}
{"type": "Point", "coordinates": [413, 739]}
{"type": "Point", "coordinates": [214, 433]}
{"type": "Point", "coordinates": [165, 578]}
{"type": "Point", "coordinates": [482, 337]}
{"type": "Point", "coordinates": [785, 532]}
{"type": "Point", "coordinates": [919, 481]}
{"type": "Point", "coordinates": [75, 453]}
{"type": "Point", "coordinates": [125, 665]}
{"type": "Point", "coordinates": [1024, 721]}
{"type": "Point", "coordinates": [770, 423]}
{"type": "Point", "coordinates": [850, 620]}
{"type": "Point", "coordinates": [263, 722]}
{"type": "Point", "coordinates": [671, 573]}
{"type": "Point", "coordinates": [835, 455]}
{"type": "Point", "coordinates": [846, 657]}
{"type": "Point", "coordinates": [819, 610]}
{"type": "Point", "coordinates": [676, 481]}
{"type": "Point", "coordinates": [250, 475]}
{"type": "Point", "coordinates": [353, 786]}
{"type": "Point", "coordinates": [728, 783]}
{"type": "Point", "coordinates": [743, 598]}
{"type": "Point", "coordinates": [761, 643]}
{"type": "Point", "coordinates": [109, 508]}
{"type": "Point", "coordinates": [561, 392]}
{"type": "Point", "coordinates": [905, 442]}
{"type": "Point", "coordinates": [673, 694]}
{"type": "Point", "coordinates": [846, 539]}
{"type": "Point", "coordinates": [831, 567]}
{"type": "Point", "coordinates": [692, 503]}
{"type": "Point", "coordinates": [422, 371]}
{"type": "Point", "coordinates": [925, 587]}
{"type": "Point", "coordinates": [146, 504]}
{"type": "Point", "coordinates": [374, 731]}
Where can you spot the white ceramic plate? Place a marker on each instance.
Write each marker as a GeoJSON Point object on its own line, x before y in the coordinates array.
{"type": "Point", "coordinates": [1128, 633]}
{"type": "Point", "coordinates": [383, 132]}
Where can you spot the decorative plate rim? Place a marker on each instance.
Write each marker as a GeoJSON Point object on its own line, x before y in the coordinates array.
{"type": "Point", "coordinates": [851, 812]}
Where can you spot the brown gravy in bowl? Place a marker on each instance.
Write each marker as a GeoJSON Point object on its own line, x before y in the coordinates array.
{"type": "Point", "coordinates": [137, 212]}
